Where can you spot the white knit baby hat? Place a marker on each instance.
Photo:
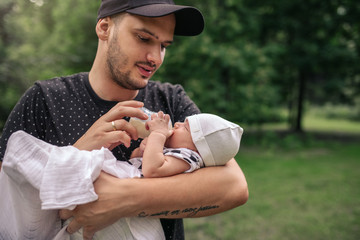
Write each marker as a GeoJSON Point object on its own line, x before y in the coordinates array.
{"type": "Point", "coordinates": [216, 139]}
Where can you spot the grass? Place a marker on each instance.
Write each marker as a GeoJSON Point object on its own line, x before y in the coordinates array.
{"type": "Point", "coordinates": [303, 193]}
{"type": "Point", "coordinates": [333, 119]}
{"type": "Point", "coordinates": [313, 123]}
{"type": "Point", "coordinates": [300, 189]}
{"type": "Point", "coordinates": [318, 124]}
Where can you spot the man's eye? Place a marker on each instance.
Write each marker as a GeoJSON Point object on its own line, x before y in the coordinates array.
{"type": "Point", "coordinates": [143, 38]}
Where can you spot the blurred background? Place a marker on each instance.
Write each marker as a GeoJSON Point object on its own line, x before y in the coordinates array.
{"type": "Point", "coordinates": [287, 71]}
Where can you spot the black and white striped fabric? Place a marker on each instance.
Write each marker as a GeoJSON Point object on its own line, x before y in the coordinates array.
{"type": "Point", "coordinates": [189, 156]}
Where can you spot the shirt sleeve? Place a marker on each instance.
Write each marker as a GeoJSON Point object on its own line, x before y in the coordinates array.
{"type": "Point", "coordinates": [184, 106]}
{"type": "Point", "coordinates": [169, 98]}
{"type": "Point", "coordinates": [190, 157]}
{"type": "Point", "coordinates": [28, 115]}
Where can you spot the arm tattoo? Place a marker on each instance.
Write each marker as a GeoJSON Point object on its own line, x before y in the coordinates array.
{"type": "Point", "coordinates": [191, 212]}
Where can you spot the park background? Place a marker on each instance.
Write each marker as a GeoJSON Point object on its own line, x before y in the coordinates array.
{"type": "Point", "coordinates": [287, 71]}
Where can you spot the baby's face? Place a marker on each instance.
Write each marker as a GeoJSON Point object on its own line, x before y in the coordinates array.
{"type": "Point", "coordinates": [181, 137]}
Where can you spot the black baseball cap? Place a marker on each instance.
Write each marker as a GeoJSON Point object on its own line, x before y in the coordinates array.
{"type": "Point", "coordinates": [189, 20]}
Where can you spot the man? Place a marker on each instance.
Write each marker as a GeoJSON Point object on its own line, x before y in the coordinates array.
{"type": "Point", "coordinates": [91, 110]}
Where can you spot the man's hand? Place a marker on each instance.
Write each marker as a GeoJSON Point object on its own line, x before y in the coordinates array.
{"type": "Point", "coordinates": [111, 129]}
{"type": "Point", "coordinates": [97, 215]}
{"type": "Point", "coordinates": [167, 197]}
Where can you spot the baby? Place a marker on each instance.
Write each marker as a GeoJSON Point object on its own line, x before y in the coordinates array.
{"type": "Point", "coordinates": [202, 140]}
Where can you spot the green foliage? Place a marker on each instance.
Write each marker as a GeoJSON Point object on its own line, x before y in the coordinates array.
{"type": "Point", "coordinates": [313, 46]}
{"type": "Point", "coordinates": [9, 96]}
{"type": "Point", "coordinates": [49, 40]}
{"type": "Point", "coordinates": [223, 72]}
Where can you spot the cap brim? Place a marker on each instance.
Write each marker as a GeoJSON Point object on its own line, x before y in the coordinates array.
{"type": "Point", "coordinates": [189, 20]}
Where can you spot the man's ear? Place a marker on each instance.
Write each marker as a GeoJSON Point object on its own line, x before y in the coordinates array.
{"type": "Point", "coordinates": [103, 28]}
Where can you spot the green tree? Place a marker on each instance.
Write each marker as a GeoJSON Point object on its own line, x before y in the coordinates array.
{"type": "Point", "coordinates": [40, 40]}
{"type": "Point", "coordinates": [318, 49]}
{"type": "Point", "coordinates": [223, 69]}
{"type": "Point", "coordinates": [49, 38]}
{"type": "Point", "coordinates": [8, 90]}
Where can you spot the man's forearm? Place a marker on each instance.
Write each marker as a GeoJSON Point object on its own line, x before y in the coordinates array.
{"type": "Point", "coordinates": [204, 192]}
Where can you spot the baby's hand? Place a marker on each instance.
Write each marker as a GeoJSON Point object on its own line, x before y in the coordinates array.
{"type": "Point", "coordinates": [159, 123]}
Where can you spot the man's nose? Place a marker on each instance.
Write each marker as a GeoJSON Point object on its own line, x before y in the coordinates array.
{"type": "Point", "coordinates": [155, 56]}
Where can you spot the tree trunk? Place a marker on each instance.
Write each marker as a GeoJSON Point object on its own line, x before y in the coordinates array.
{"type": "Point", "coordinates": [300, 102]}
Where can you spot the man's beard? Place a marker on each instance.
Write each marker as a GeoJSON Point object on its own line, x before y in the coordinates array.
{"type": "Point", "coordinates": [116, 60]}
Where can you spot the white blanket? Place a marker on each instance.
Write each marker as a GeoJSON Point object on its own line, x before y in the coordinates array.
{"type": "Point", "coordinates": [37, 179]}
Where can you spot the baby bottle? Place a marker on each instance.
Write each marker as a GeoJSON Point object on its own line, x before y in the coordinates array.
{"type": "Point", "coordinates": [140, 124]}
